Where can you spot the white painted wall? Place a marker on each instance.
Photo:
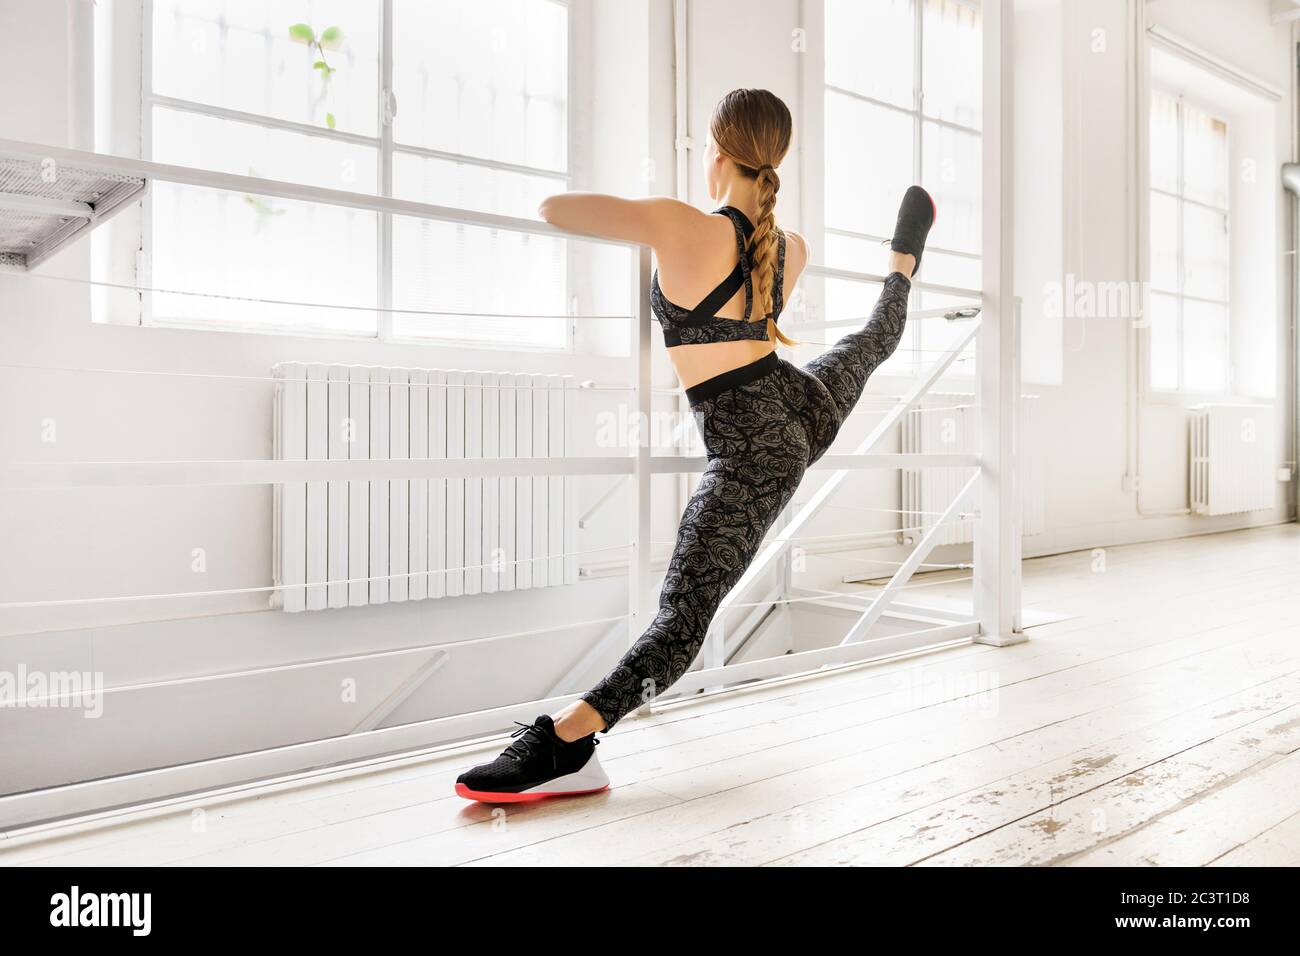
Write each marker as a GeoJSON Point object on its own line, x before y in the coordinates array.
{"type": "Point", "coordinates": [1094, 409]}
{"type": "Point", "coordinates": [1073, 217]}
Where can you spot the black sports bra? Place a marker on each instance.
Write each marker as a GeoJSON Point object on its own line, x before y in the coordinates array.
{"type": "Point", "coordinates": [701, 324]}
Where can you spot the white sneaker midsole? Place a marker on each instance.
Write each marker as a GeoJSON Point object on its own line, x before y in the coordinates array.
{"type": "Point", "coordinates": [592, 776]}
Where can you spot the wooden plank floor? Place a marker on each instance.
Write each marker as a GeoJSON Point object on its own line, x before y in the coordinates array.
{"type": "Point", "coordinates": [1157, 724]}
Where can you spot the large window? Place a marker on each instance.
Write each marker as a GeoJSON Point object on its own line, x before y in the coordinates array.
{"type": "Point", "coordinates": [1189, 348]}
{"type": "Point", "coordinates": [902, 105]}
{"type": "Point", "coordinates": [453, 103]}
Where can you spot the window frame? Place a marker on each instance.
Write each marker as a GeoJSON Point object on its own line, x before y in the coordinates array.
{"type": "Point", "coordinates": [913, 334]}
{"type": "Point", "coordinates": [386, 148]}
{"type": "Point", "coordinates": [1180, 296]}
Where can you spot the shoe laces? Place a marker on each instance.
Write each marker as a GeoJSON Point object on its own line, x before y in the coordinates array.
{"type": "Point", "coordinates": [529, 744]}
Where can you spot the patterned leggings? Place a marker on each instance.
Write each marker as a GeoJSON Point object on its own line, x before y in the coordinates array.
{"type": "Point", "coordinates": [763, 424]}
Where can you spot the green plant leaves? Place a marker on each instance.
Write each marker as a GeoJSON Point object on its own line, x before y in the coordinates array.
{"type": "Point", "coordinates": [331, 38]}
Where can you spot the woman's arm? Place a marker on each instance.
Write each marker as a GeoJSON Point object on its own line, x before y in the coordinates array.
{"type": "Point", "coordinates": [651, 221]}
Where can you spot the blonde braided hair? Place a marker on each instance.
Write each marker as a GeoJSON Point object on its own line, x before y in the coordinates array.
{"type": "Point", "coordinates": [752, 128]}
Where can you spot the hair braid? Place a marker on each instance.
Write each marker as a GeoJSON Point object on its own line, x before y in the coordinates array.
{"type": "Point", "coordinates": [763, 251]}
{"type": "Point", "coordinates": [753, 128]}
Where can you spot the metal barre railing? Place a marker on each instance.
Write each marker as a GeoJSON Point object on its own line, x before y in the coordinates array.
{"type": "Point", "coordinates": [217, 472]}
{"type": "Point", "coordinates": [188, 176]}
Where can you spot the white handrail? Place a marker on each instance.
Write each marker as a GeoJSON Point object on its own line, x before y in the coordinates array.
{"type": "Point", "coordinates": [270, 471]}
{"type": "Point", "coordinates": [852, 275]}
{"type": "Point", "coordinates": [205, 178]}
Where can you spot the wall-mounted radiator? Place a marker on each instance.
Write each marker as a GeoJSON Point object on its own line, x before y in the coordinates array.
{"type": "Point", "coordinates": [948, 423]}
{"type": "Point", "coordinates": [351, 543]}
{"type": "Point", "coordinates": [1232, 467]}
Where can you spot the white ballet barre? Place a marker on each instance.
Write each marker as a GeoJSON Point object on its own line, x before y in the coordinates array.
{"type": "Point", "coordinates": [206, 473]}
{"type": "Point", "coordinates": [852, 275]}
{"type": "Point", "coordinates": [884, 240]}
{"type": "Point", "coordinates": [953, 313]}
{"type": "Point", "coordinates": [280, 189]}
{"type": "Point", "coordinates": [587, 385]}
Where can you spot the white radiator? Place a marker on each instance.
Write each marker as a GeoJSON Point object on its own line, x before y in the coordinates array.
{"type": "Point", "coordinates": [948, 423]}
{"type": "Point", "coordinates": [1231, 451]}
{"type": "Point", "coordinates": [399, 540]}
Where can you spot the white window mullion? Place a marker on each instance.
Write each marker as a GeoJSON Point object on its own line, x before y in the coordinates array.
{"type": "Point", "coordinates": [1181, 256]}
{"type": "Point", "coordinates": [143, 267]}
{"type": "Point", "coordinates": [387, 110]}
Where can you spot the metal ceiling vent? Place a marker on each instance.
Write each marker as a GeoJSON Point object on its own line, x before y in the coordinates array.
{"type": "Point", "coordinates": [44, 205]}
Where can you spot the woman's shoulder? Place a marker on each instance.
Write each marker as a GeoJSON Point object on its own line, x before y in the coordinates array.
{"type": "Point", "coordinates": [686, 230]}
{"type": "Point", "coordinates": [798, 251]}
{"type": "Point", "coordinates": [677, 213]}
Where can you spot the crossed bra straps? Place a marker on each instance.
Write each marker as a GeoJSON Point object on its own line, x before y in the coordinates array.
{"type": "Point", "coordinates": [702, 324]}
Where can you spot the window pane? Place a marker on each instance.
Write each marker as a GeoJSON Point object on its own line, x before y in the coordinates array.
{"type": "Point", "coordinates": [870, 48]}
{"type": "Point", "coordinates": [1205, 252]}
{"type": "Point", "coordinates": [961, 271]}
{"type": "Point", "coordinates": [467, 186]}
{"type": "Point", "coordinates": [1164, 342]}
{"type": "Point", "coordinates": [1164, 242]}
{"type": "Point", "coordinates": [951, 63]}
{"type": "Point", "coordinates": [862, 195]}
{"type": "Point", "coordinates": [208, 240]}
{"type": "Point", "coordinates": [950, 169]}
{"type": "Point", "coordinates": [850, 252]}
{"type": "Point", "coordinates": [1205, 157]}
{"type": "Point", "coordinates": [486, 79]}
{"type": "Point", "coordinates": [1205, 346]}
{"type": "Point", "coordinates": [191, 139]}
{"type": "Point", "coordinates": [241, 56]}
{"type": "Point", "coordinates": [867, 255]}
{"type": "Point", "coordinates": [1164, 142]}
{"type": "Point", "coordinates": [445, 266]}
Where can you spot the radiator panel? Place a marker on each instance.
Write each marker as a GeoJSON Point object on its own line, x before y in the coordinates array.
{"type": "Point", "coordinates": [1231, 459]}
{"type": "Point", "coordinates": [948, 423]}
{"type": "Point", "coordinates": [353, 543]}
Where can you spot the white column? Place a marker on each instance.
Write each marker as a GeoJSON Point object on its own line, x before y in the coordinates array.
{"type": "Point", "coordinates": [997, 539]}
{"type": "Point", "coordinates": [640, 604]}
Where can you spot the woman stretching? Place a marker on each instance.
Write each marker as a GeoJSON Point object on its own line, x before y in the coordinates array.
{"type": "Point", "coordinates": [763, 420]}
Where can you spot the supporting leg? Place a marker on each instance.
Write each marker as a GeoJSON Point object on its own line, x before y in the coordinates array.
{"type": "Point", "coordinates": [721, 529]}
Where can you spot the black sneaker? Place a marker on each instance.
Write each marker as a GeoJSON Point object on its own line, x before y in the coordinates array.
{"type": "Point", "coordinates": [538, 764]}
{"type": "Point", "coordinates": [916, 214]}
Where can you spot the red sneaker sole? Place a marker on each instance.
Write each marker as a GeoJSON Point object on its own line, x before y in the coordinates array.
{"type": "Point", "coordinates": [485, 797]}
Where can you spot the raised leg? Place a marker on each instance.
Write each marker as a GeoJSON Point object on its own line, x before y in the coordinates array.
{"type": "Point", "coordinates": [845, 367]}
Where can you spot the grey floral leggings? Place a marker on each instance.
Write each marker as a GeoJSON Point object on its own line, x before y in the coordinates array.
{"type": "Point", "coordinates": [763, 424]}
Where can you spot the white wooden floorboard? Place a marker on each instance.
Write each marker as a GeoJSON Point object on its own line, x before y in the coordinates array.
{"type": "Point", "coordinates": [1156, 723]}
{"type": "Point", "coordinates": [1276, 846]}
{"type": "Point", "coordinates": [825, 805]}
